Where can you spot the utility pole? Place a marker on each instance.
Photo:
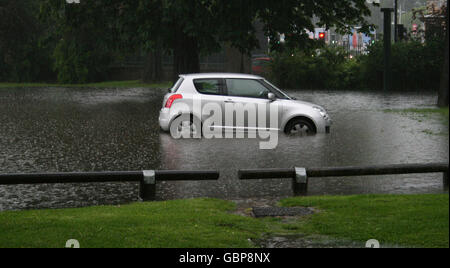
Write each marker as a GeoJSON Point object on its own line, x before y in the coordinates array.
{"type": "Point", "coordinates": [387, 48]}
{"type": "Point", "coordinates": [395, 21]}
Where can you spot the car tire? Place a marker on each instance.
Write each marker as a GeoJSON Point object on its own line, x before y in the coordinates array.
{"type": "Point", "coordinates": [186, 126]}
{"type": "Point", "coordinates": [300, 127]}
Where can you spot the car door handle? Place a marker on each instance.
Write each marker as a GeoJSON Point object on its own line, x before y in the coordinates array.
{"type": "Point", "coordinates": [229, 101]}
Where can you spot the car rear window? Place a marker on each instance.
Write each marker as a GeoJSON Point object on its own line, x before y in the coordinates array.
{"type": "Point", "coordinates": [207, 86]}
{"type": "Point", "coordinates": [177, 85]}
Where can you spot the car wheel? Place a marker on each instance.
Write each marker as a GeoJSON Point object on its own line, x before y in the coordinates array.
{"type": "Point", "coordinates": [300, 127]}
{"type": "Point", "coordinates": [185, 126]}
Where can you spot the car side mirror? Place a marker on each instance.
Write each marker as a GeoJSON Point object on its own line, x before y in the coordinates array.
{"type": "Point", "coordinates": [271, 96]}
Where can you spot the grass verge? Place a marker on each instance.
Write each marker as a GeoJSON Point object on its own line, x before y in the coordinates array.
{"type": "Point", "coordinates": [407, 220]}
{"type": "Point", "coordinates": [425, 114]}
{"type": "Point", "coordinates": [412, 220]}
{"type": "Point", "coordinates": [422, 113]}
{"type": "Point", "coordinates": [180, 223]}
{"type": "Point", "coordinates": [108, 84]}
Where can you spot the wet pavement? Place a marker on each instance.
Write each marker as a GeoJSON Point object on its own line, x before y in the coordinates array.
{"type": "Point", "coordinates": [62, 130]}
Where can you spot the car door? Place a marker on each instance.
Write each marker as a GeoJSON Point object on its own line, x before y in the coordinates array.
{"type": "Point", "coordinates": [212, 93]}
{"type": "Point", "coordinates": [247, 100]}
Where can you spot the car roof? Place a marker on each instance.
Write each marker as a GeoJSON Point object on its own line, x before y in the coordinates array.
{"type": "Point", "coordinates": [220, 75]}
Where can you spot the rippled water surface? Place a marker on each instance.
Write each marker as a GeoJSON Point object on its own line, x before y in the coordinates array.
{"type": "Point", "coordinates": [61, 130]}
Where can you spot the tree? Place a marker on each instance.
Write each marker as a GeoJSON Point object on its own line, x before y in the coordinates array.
{"type": "Point", "coordinates": [296, 17]}
{"type": "Point", "coordinates": [21, 56]}
{"type": "Point", "coordinates": [184, 29]}
{"type": "Point", "coordinates": [85, 35]}
{"type": "Point", "coordinates": [443, 89]}
{"type": "Point", "coordinates": [140, 28]}
{"type": "Point", "coordinates": [436, 23]}
{"type": "Point", "coordinates": [188, 29]}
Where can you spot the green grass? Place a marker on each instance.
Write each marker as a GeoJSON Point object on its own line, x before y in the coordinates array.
{"type": "Point", "coordinates": [422, 111]}
{"type": "Point", "coordinates": [412, 220]}
{"type": "Point", "coordinates": [180, 223]}
{"type": "Point", "coordinates": [406, 220]}
{"type": "Point", "coordinates": [109, 84]}
{"type": "Point", "coordinates": [425, 114]}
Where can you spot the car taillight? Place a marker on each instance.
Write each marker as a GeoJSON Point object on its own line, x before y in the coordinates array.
{"type": "Point", "coordinates": [172, 99]}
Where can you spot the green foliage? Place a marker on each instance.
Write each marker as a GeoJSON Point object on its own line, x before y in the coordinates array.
{"type": "Point", "coordinates": [350, 75]}
{"type": "Point", "coordinates": [80, 63]}
{"type": "Point", "coordinates": [191, 28]}
{"type": "Point", "coordinates": [296, 17]}
{"type": "Point", "coordinates": [81, 40]}
{"type": "Point", "coordinates": [22, 57]}
{"type": "Point", "coordinates": [212, 22]}
{"type": "Point", "coordinates": [85, 38]}
{"type": "Point", "coordinates": [415, 66]}
{"type": "Point", "coordinates": [317, 69]}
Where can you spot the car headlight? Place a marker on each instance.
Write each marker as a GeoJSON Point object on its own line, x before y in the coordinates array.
{"type": "Point", "coordinates": [321, 111]}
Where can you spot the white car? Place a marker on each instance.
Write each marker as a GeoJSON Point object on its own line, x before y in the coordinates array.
{"type": "Point", "coordinates": [225, 89]}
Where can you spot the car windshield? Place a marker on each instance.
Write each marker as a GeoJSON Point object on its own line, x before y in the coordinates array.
{"type": "Point", "coordinates": [280, 94]}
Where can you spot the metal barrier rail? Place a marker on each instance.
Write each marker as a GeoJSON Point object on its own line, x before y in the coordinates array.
{"type": "Point", "coordinates": [300, 176]}
{"type": "Point", "coordinates": [147, 178]}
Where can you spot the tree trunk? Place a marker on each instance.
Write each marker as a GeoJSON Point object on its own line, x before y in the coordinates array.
{"type": "Point", "coordinates": [444, 90]}
{"type": "Point", "coordinates": [242, 69]}
{"type": "Point", "coordinates": [153, 67]}
{"type": "Point", "coordinates": [186, 57]}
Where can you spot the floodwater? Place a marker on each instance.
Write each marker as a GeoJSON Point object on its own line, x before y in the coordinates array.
{"type": "Point", "coordinates": [67, 129]}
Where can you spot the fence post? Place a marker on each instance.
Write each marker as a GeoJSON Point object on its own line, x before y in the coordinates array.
{"type": "Point", "coordinates": [300, 182]}
{"type": "Point", "coordinates": [387, 47]}
{"type": "Point", "coordinates": [147, 189]}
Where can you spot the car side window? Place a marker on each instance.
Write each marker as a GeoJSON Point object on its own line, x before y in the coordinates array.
{"type": "Point", "coordinates": [246, 88]}
{"type": "Point", "coordinates": [208, 86]}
